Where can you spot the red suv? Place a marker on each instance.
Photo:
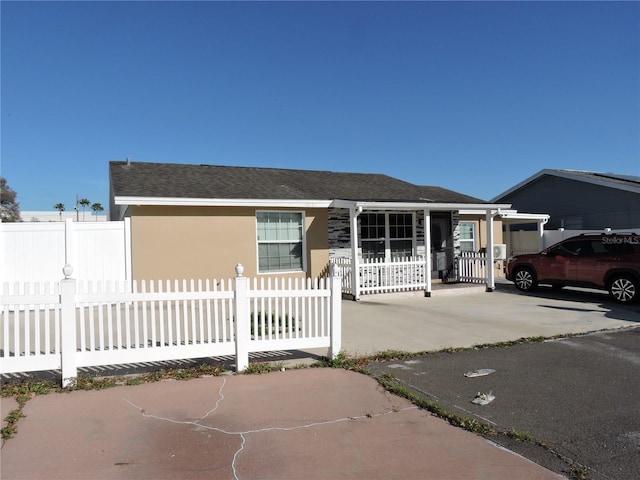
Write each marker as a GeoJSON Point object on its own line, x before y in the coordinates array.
{"type": "Point", "coordinates": [605, 261]}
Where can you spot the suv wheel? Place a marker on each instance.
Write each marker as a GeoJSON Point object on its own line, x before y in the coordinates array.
{"type": "Point", "coordinates": [624, 289]}
{"type": "Point", "coordinates": [524, 280]}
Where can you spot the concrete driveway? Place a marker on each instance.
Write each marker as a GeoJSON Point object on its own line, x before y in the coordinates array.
{"type": "Point", "coordinates": [416, 324]}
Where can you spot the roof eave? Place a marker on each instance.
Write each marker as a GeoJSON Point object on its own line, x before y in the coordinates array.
{"type": "Point", "coordinates": [220, 202]}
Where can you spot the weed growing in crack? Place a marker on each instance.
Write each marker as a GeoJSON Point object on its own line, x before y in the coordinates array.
{"type": "Point", "coordinates": [521, 436]}
{"type": "Point", "coordinates": [22, 392]}
{"type": "Point", "coordinates": [262, 367]}
{"type": "Point", "coordinates": [346, 362]}
{"type": "Point", "coordinates": [579, 473]}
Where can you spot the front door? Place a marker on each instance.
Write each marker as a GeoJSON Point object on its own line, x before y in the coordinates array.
{"type": "Point", "coordinates": [441, 244]}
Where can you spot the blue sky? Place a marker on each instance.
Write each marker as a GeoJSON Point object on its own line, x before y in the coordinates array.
{"type": "Point", "coordinates": [474, 97]}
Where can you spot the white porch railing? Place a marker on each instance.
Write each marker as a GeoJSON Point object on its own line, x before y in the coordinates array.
{"type": "Point", "coordinates": [472, 267]}
{"type": "Point", "coordinates": [68, 325]}
{"type": "Point", "coordinates": [401, 275]}
{"type": "Point", "coordinates": [380, 276]}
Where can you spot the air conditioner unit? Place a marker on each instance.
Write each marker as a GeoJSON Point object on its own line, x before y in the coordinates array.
{"type": "Point", "coordinates": [499, 251]}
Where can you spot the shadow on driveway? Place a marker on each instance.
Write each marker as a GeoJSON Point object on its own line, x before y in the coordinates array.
{"type": "Point", "coordinates": [582, 296]}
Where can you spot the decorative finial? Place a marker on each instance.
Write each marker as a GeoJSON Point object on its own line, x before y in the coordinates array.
{"type": "Point", "coordinates": [239, 269]}
{"type": "Point", "coordinates": [67, 270]}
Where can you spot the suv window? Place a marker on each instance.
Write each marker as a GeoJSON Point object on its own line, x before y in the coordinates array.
{"type": "Point", "coordinates": [572, 248]}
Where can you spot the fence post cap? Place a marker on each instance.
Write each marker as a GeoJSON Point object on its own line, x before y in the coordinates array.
{"type": "Point", "coordinates": [333, 270]}
{"type": "Point", "coordinates": [239, 269]}
{"type": "Point", "coordinates": [67, 270]}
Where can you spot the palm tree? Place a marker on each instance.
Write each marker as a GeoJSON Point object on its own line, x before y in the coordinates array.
{"type": "Point", "coordinates": [96, 207]}
{"type": "Point", "coordinates": [84, 203]}
{"type": "Point", "coordinates": [60, 208]}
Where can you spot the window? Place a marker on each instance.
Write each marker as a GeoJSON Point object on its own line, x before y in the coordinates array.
{"type": "Point", "coordinates": [401, 235]}
{"type": "Point", "coordinates": [387, 235]}
{"type": "Point", "coordinates": [372, 227]}
{"type": "Point", "coordinates": [279, 241]}
{"type": "Point", "coordinates": [467, 237]}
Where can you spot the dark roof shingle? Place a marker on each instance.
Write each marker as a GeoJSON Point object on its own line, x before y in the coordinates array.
{"type": "Point", "coordinates": [170, 180]}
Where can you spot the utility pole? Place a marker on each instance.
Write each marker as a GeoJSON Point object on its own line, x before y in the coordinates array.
{"type": "Point", "coordinates": [75, 207]}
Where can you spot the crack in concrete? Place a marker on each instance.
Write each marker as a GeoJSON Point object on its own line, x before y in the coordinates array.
{"type": "Point", "coordinates": [242, 434]}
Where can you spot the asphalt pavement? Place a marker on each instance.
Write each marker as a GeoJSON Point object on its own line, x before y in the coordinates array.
{"type": "Point", "coordinates": [578, 396]}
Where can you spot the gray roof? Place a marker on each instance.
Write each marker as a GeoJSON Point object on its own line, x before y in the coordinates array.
{"type": "Point", "coordinates": [171, 180]}
{"type": "Point", "coordinates": [610, 180]}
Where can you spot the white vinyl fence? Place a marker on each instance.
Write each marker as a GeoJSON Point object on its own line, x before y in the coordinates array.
{"type": "Point", "coordinates": [70, 324]}
{"type": "Point", "coordinates": [37, 251]}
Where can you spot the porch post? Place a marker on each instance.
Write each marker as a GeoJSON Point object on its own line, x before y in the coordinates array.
{"type": "Point", "coordinates": [541, 224]}
{"type": "Point", "coordinates": [491, 282]}
{"type": "Point", "coordinates": [427, 252]}
{"type": "Point", "coordinates": [355, 263]}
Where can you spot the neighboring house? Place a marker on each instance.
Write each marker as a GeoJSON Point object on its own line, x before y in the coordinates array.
{"type": "Point", "coordinates": [577, 200]}
{"type": "Point", "coordinates": [199, 221]}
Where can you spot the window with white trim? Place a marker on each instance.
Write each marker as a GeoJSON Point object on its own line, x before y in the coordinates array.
{"type": "Point", "coordinates": [280, 241]}
{"type": "Point", "coordinates": [372, 228]}
{"type": "Point", "coordinates": [400, 235]}
{"type": "Point", "coordinates": [387, 235]}
{"type": "Point", "coordinates": [468, 237]}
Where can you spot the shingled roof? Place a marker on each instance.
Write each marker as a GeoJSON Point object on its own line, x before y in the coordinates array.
{"type": "Point", "coordinates": [171, 180]}
{"type": "Point", "coordinates": [629, 183]}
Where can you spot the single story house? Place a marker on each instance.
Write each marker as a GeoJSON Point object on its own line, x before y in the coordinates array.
{"type": "Point", "coordinates": [199, 221]}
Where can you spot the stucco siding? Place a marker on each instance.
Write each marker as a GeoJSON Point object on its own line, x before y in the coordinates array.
{"type": "Point", "coordinates": [207, 242]}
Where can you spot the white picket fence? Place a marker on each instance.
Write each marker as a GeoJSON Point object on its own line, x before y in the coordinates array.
{"type": "Point", "coordinates": [70, 324]}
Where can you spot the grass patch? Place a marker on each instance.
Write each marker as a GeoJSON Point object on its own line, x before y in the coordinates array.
{"type": "Point", "coordinates": [262, 367]}
{"type": "Point", "coordinates": [345, 362]}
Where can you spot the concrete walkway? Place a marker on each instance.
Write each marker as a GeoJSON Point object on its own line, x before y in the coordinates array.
{"type": "Point", "coordinates": [311, 423]}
